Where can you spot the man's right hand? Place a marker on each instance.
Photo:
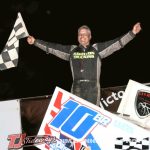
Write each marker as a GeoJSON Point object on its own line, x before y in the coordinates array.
{"type": "Point", "coordinates": [30, 40]}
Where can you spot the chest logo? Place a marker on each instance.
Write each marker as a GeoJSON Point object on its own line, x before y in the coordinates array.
{"type": "Point", "coordinates": [83, 55]}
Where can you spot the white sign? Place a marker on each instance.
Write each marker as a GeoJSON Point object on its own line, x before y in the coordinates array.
{"type": "Point", "coordinates": [10, 121]}
{"type": "Point", "coordinates": [78, 125]}
{"type": "Point", "coordinates": [136, 103]}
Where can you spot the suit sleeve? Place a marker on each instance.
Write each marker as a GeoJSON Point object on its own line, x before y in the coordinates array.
{"type": "Point", "coordinates": [108, 48]}
{"type": "Point", "coordinates": [59, 50]}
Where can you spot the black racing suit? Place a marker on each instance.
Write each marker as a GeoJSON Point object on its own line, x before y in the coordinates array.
{"type": "Point", "coordinates": [86, 63]}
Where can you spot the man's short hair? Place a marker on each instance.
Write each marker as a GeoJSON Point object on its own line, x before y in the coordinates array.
{"type": "Point", "coordinates": [84, 27]}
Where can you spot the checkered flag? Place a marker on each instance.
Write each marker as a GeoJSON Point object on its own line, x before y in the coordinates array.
{"type": "Point", "coordinates": [9, 55]}
{"type": "Point", "coordinates": [132, 143]}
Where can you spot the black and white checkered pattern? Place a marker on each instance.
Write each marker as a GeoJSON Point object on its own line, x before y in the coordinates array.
{"type": "Point", "coordinates": [9, 55]}
{"type": "Point", "coordinates": [132, 144]}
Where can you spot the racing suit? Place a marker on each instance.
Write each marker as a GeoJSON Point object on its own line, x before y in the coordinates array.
{"type": "Point", "coordinates": [85, 63]}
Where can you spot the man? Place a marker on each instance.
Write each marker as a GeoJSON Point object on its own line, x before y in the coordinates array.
{"type": "Point", "coordinates": [85, 59]}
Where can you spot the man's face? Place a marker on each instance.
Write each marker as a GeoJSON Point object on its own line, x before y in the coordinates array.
{"type": "Point", "coordinates": [84, 37]}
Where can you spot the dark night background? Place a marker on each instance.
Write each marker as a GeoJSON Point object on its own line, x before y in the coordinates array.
{"type": "Point", "coordinates": [38, 74]}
